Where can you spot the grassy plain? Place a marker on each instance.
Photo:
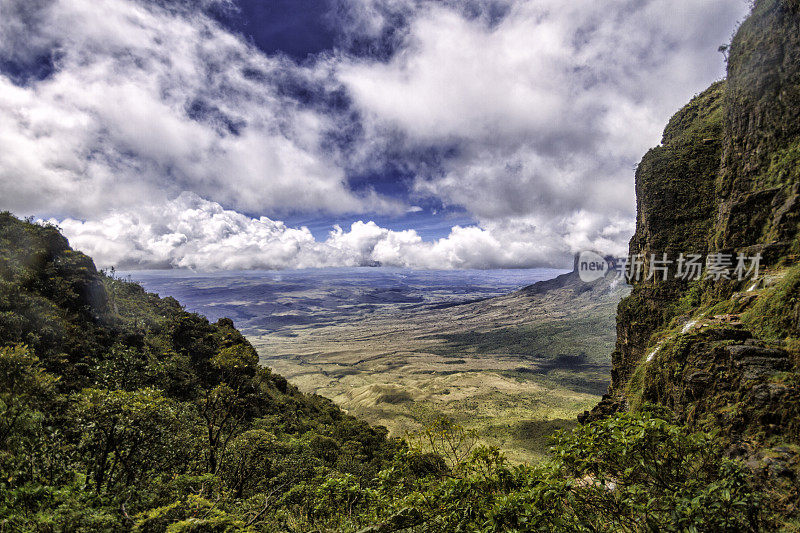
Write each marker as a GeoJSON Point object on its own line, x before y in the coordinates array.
{"type": "Point", "coordinates": [514, 368]}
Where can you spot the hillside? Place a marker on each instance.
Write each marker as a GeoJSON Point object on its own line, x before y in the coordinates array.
{"type": "Point", "coordinates": [115, 402]}
{"type": "Point", "coordinates": [122, 412]}
{"type": "Point", "coordinates": [723, 354]}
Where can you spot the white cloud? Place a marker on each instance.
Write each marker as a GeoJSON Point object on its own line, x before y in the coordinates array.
{"type": "Point", "coordinates": [142, 104]}
{"type": "Point", "coordinates": [158, 129]}
{"type": "Point", "coordinates": [190, 232]}
{"type": "Point", "coordinates": [549, 107]}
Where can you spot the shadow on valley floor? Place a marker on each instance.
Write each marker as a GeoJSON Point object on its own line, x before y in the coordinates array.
{"type": "Point", "coordinates": [398, 347]}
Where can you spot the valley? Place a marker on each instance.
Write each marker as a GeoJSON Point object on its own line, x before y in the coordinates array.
{"type": "Point", "coordinates": [401, 348]}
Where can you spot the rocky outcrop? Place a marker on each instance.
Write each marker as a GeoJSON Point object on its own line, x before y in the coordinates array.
{"type": "Point", "coordinates": [675, 185]}
{"type": "Point", "coordinates": [723, 355]}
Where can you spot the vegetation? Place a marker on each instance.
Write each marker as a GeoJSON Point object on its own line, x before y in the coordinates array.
{"type": "Point", "coordinates": [723, 355]}
{"type": "Point", "coordinates": [120, 411]}
{"type": "Point", "coordinates": [513, 368]}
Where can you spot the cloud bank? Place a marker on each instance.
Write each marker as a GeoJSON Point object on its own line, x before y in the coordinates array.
{"type": "Point", "coordinates": [550, 106]}
{"type": "Point", "coordinates": [190, 232]}
{"type": "Point", "coordinates": [157, 138]}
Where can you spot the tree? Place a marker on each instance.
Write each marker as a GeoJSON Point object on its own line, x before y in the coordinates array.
{"type": "Point", "coordinates": [24, 387]}
{"type": "Point", "coordinates": [249, 465]}
{"type": "Point", "coordinates": [443, 437]}
{"type": "Point", "coordinates": [126, 435]}
{"type": "Point", "coordinates": [224, 412]}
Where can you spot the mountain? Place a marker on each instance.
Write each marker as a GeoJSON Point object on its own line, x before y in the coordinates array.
{"type": "Point", "coordinates": [120, 411]}
{"type": "Point", "coordinates": [723, 354]}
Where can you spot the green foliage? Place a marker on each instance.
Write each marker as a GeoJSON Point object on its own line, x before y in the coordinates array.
{"type": "Point", "coordinates": [233, 359]}
{"type": "Point", "coordinates": [122, 411]}
{"type": "Point", "coordinates": [126, 413]}
{"type": "Point", "coordinates": [127, 435]}
{"type": "Point", "coordinates": [776, 313]}
{"type": "Point", "coordinates": [194, 514]}
{"type": "Point", "coordinates": [24, 387]}
{"type": "Point", "coordinates": [658, 474]}
{"type": "Point", "coordinates": [631, 472]}
{"type": "Point", "coordinates": [446, 439]}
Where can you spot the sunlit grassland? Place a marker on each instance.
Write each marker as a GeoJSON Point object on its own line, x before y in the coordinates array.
{"type": "Point", "coordinates": [513, 368]}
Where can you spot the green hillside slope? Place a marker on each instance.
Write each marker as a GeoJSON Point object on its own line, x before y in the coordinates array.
{"type": "Point", "coordinates": [119, 411]}
{"type": "Point", "coordinates": [115, 402]}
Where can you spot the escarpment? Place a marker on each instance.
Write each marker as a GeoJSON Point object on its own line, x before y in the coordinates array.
{"type": "Point", "coordinates": [757, 190]}
{"type": "Point", "coordinates": [723, 354]}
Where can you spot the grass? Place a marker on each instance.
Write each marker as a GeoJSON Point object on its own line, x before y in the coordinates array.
{"type": "Point", "coordinates": [511, 368]}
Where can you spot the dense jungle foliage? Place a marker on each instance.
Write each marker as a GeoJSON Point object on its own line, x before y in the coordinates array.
{"type": "Point", "coordinates": [120, 411]}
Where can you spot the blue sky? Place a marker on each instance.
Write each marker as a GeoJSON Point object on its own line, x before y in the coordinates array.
{"type": "Point", "coordinates": [297, 28]}
{"type": "Point", "coordinates": [238, 134]}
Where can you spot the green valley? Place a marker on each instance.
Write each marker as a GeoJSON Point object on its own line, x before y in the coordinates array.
{"type": "Point", "coordinates": [513, 368]}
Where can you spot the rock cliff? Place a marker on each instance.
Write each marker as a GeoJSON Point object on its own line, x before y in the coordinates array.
{"type": "Point", "coordinates": [723, 354]}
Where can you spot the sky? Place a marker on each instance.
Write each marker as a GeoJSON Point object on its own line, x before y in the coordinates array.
{"type": "Point", "coordinates": [277, 134]}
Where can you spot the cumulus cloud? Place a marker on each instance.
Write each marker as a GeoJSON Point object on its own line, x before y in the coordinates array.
{"type": "Point", "coordinates": [145, 102]}
{"type": "Point", "coordinates": [190, 232]}
{"type": "Point", "coordinates": [550, 106]}
{"type": "Point", "coordinates": [152, 134]}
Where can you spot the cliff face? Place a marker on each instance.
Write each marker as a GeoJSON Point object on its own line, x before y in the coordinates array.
{"type": "Point", "coordinates": [675, 185]}
{"type": "Point", "coordinates": [724, 354]}
{"type": "Point", "coordinates": [757, 190]}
